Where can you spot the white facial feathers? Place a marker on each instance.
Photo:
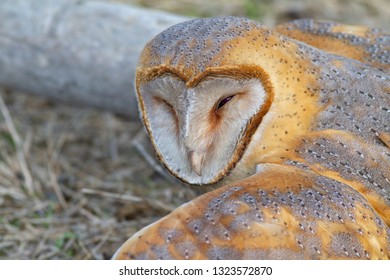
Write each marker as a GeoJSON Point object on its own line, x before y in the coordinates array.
{"type": "Point", "coordinates": [196, 130]}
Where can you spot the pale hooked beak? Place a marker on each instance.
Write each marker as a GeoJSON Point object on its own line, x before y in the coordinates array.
{"type": "Point", "coordinates": [197, 160]}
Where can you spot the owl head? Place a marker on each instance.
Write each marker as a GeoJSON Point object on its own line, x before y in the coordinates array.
{"type": "Point", "coordinates": [203, 89]}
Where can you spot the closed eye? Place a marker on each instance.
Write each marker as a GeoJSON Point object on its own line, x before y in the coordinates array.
{"type": "Point", "coordinates": [167, 105]}
{"type": "Point", "coordinates": [223, 101]}
{"type": "Point", "coordinates": [160, 100]}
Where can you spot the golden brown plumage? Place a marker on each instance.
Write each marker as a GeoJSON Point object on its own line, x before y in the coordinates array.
{"type": "Point", "coordinates": [299, 133]}
{"type": "Point", "coordinates": [279, 213]}
{"type": "Point", "coordinates": [361, 43]}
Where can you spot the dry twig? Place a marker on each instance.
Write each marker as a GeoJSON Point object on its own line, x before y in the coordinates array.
{"type": "Point", "coordinates": [19, 147]}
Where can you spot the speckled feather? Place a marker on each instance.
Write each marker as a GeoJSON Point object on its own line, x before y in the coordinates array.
{"type": "Point", "coordinates": [279, 213]}
{"type": "Point", "coordinates": [368, 45]}
{"type": "Point", "coordinates": [321, 149]}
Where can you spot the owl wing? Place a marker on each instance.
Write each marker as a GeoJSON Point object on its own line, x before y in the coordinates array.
{"type": "Point", "coordinates": [368, 45]}
{"type": "Point", "coordinates": [344, 156]}
{"type": "Point", "coordinates": [282, 212]}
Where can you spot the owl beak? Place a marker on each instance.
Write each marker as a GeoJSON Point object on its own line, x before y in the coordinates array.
{"type": "Point", "coordinates": [197, 160]}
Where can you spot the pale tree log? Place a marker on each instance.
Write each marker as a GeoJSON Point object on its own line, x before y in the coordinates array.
{"type": "Point", "coordinates": [78, 52]}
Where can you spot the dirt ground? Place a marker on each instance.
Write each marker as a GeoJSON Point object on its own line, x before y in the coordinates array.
{"type": "Point", "coordinates": [75, 183]}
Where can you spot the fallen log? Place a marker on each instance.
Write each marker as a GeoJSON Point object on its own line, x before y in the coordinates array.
{"type": "Point", "coordinates": [77, 52]}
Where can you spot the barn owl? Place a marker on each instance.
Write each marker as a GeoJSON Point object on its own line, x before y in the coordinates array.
{"type": "Point", "coordinates": [293, 126]}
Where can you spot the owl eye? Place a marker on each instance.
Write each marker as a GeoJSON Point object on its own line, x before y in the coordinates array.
{"type": "Point", "coordinates": [160, 101]}
{"type": "Point", "coordinates": [223, 101]}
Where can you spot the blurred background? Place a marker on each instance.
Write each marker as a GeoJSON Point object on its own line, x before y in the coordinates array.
{"type": "Point", "coordinates": [373, 13]}
{"type": "Point", "coordinates": [93, 179]}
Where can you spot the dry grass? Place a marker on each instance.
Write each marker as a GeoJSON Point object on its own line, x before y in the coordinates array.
{"type": "Point", "coordinates": [75, 183]}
